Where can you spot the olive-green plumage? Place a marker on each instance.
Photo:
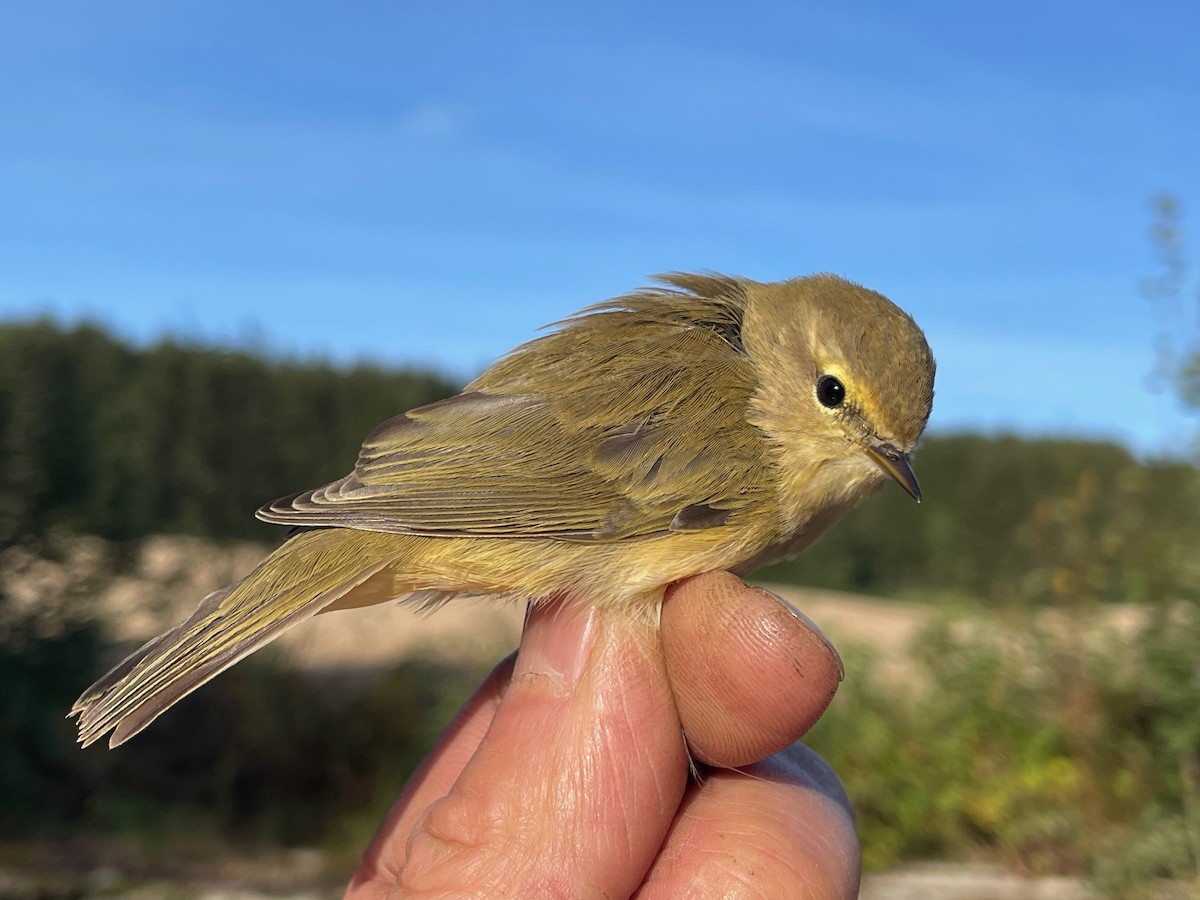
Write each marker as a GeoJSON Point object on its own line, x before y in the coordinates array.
{"type": "Point", "coordinates": [707, 423]}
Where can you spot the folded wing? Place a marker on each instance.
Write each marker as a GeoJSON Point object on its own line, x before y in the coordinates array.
{"type": "Point", "coordinates": [550, 446]}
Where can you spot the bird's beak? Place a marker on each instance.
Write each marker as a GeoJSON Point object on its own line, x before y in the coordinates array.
{"type": "Point", "coordinates": [896, 465]}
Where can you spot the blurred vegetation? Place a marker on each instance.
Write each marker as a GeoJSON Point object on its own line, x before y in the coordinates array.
{"type": "Point", "coordinates": [988, 511]}
{"type": "Point", "coordinates": [1023, 729]}
{"type": "Point", "coordinates": [1176, 305]}
{"type": "Point", "coordinates": [263, 756]}
{"type": "Point", "coordinates": [1055, 747]}
{"type": "Point", "coordinates": [101, 437]}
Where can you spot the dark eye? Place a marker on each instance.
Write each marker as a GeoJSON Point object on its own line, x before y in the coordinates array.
{"type": "Point", "coordinates": [830, 391]}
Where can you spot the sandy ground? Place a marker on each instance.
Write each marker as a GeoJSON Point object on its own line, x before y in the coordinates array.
{"type": "Point", "coordinates": [168, 576]}
{"type": "Point", "coordinates": [950, 881]}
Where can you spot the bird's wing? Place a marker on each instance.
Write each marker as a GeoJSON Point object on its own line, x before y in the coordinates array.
{"type": "Point", "coordinates": [552, 444]}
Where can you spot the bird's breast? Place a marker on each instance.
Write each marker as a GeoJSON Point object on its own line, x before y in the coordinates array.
{"type": "Point", "coordinates": [811, 499]}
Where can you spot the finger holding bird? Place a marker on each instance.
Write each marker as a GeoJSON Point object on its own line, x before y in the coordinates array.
{"type": "Point", "coordinates": [704, 423]}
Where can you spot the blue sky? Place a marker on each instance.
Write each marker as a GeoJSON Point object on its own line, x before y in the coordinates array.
{"type": "Point", "coordinates": [432, 182]}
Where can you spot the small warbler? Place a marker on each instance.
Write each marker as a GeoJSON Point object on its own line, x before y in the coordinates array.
{"type": "Point", "coordinates": [705, 423]}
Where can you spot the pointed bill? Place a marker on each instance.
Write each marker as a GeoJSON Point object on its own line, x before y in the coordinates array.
{"type": "Point", "coordinates": [896, 464]}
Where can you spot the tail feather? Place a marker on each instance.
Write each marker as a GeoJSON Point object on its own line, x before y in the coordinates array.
{"type": "Point", "coordinates": [308, 573]}
{"type": "Point", "coordinates": [104, 684]}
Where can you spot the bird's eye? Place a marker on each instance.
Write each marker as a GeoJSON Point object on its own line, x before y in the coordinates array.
{"type": "Point", "coordinates": [830, 391]}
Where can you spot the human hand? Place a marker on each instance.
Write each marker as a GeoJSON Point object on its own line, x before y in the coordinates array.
{"type": "Point", "coordinates": [566, 775]}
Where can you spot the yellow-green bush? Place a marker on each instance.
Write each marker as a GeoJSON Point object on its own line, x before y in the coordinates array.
{"type": "Point", "coordinates": [1052, 748]}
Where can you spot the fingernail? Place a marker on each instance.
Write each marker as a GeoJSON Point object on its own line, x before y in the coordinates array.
{"type": "Point", "coordinates": [812, 627]}
{"type": "Point", "coordinates": [556, 644]}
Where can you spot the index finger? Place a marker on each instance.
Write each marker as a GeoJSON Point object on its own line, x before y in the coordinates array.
{"type": "Point", "coordinates": [750, 673]}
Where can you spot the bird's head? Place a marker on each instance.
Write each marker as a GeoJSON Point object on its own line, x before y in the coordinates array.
{"type": "Point", "coordinates": [845, 379]}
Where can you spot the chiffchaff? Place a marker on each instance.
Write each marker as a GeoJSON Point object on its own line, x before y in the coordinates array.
{"type": "Point", "coordinates": [708, 423]}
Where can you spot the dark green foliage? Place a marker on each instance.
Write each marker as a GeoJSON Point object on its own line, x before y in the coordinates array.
{"type": "Point", "coordinates": [989, 511]}
{"type": "Point", "coordinates": [1054, 744]}
{"type": "Point", "coordinates": [264, 753]}
{"type": "Point", "coordinates": [100, 437]}
{"type": "Point", "coordinates": [41, 778]}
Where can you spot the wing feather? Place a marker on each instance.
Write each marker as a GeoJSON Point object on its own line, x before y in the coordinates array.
{"type": "Point", "coordinates": [606, 429]}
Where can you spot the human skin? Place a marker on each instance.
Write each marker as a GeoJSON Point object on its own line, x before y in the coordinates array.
{"type": "Point", "coordinates": [567, 774]}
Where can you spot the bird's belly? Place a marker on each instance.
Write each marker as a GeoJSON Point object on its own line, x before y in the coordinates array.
{"type": "Point", "coordinates": [628, 573]}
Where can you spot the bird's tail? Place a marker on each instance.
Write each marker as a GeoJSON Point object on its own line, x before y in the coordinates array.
{"type": "Point", "coordinates": [310, 571]}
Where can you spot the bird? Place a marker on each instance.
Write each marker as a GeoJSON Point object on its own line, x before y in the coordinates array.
{"type": "Point", "coordinates": [703, 422]}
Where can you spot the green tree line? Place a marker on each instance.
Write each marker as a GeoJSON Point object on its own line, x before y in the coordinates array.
{"type": "Point", "coordinates": [1003, 515]}
{"type": "Point", "coordinates": [103, 437]}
